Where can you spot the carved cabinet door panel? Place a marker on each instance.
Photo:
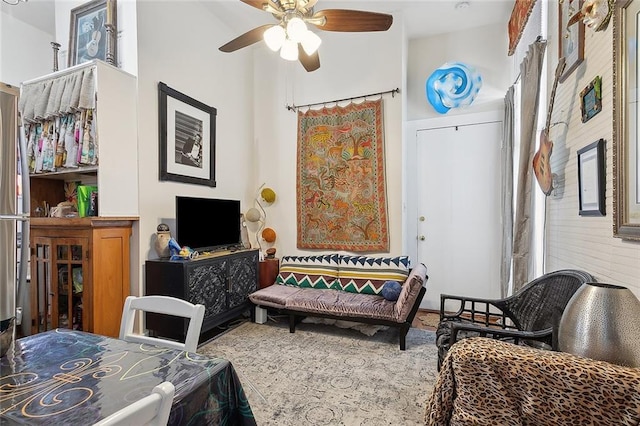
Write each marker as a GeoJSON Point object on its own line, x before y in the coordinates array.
{"type": "Point", "coordinates": [208, 286]}
{"type": "Point", "coordinates": [243, 273]}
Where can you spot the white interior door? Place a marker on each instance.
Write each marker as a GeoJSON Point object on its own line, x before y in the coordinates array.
{"type": "Point", "coordinates": [459, 210]}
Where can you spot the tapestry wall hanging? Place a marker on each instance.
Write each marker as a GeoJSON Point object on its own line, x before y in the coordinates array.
{"type": "Point", "coordinates": [518, 20]}
{"type": "Point", "coordinates": [341, 193]}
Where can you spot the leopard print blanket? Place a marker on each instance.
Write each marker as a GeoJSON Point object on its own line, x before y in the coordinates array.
{"type": "Point", "coordinates": [487, 382]}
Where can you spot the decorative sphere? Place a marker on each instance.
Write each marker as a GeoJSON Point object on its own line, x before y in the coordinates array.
{"type": "Point", "coordinates": [269, 235]}
{"type": "Point", "coordinates": [268, 195]}
{"type": "Point", "coordinates": [253, 214]}
{"type": "Point", "coordinates": [391, 290]}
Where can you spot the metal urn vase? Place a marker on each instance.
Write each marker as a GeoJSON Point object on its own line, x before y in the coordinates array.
{"type": "Point", "coordinates": [602, 321]}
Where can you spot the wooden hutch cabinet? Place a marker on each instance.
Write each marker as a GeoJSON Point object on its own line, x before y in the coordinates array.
{"type": "Point", "coordinates": [80, 266]}
{"type": "Point", "coordinates": [79, 273]}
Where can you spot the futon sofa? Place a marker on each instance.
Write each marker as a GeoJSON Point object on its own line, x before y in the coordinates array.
{"type": "Point", "coordinates": [346, 288]}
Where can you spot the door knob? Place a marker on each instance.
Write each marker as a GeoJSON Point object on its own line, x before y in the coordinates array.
{"type": "Point", "coordinates": [422, 238]}
{"type": "Point", "coordinates": [422, 219]}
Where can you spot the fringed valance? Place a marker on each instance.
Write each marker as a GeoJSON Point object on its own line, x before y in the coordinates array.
{"type": "Point", "coordinates": [62, 93]}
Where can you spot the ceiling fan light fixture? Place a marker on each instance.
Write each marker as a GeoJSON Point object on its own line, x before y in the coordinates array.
{"type": "Point", "coordinates": [274, 37]}
{"type": "Point", "coordinates": [296, 29]}
{"type": "Point", "coordinates": [290, 34]}
{"type": "Point", "coordinates": [289, 50]}
{"type": "Point", "coordinates": [310, 42]}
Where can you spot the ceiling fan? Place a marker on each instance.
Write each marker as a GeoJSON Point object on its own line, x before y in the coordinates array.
{"type": "Point", "coordinates": [292, 37]}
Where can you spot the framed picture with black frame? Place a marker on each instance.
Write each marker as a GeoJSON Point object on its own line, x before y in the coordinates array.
{"type": "Point", "coordinates": [187, 129]}
{"type": "Point", "coordinates": [591, 179]}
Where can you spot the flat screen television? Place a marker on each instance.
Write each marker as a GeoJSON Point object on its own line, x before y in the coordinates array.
{"type": "Point", "coordinates": [207, 223]}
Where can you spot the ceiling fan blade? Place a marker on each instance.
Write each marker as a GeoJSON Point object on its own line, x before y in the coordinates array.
{"type": "Point", "coordinates": [255, 3]}
{"type": "Point", "coordinates": [351, 20]}
{"type": "Point", "coordinates": [246, 39]}
{"type": "Point", "coordinates": [309, 62]}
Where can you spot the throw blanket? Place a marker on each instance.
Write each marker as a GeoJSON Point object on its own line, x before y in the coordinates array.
{"type": "Point", "coordinates": [487, 382]}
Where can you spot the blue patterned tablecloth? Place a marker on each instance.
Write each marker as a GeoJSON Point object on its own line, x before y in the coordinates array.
{"type": "Point", "coordinates": [65, 377]}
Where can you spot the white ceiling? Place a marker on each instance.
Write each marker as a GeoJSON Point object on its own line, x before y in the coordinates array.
{"type": "Point", "coordinates": [422, 17]}
{"type": "Point", "coordinates": [37, 13]}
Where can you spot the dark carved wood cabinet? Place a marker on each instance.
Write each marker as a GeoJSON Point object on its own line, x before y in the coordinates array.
{"type": "Point", "coordinates": [221, 283]}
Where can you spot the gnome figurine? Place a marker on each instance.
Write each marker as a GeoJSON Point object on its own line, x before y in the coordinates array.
{"type": "Point", "coordinates": [163, 235]}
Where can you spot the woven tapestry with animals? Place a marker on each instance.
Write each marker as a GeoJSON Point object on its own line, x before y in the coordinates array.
{"type": "Point", "coordinates": [341, 194]}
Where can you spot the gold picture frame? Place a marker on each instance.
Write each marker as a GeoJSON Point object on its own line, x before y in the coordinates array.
{"type": "Point", "coordinates": [626, 146]}
{"type": "Point", "coordinates": [93, 32]}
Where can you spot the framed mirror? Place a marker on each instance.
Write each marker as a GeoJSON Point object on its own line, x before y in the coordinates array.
{"type": "Point", "coordinates": [626, 147]}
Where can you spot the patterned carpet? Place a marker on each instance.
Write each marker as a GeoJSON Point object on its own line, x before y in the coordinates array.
{"type": "Point", "coordinates": [325, 375]}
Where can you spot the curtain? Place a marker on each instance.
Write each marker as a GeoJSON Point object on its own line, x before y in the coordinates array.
{"type": "Point", "coordinates": [65, 93]}
{"type": "Point", "coordinates": [507, 192]}
{"type": "Point", "coordinates": [530, 72]}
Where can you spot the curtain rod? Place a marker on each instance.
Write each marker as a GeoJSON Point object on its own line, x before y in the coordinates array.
{"type": "Point", "coordinates": [60, 73]}
{"type": "Point", "coordinates": [297, 107]}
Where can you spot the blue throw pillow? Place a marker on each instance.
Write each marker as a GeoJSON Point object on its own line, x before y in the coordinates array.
{"type": "Point", "coordinates": [391, 290]}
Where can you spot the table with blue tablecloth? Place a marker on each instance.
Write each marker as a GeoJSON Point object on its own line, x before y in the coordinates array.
{"type": "Point", "coordinates": [73, 377]}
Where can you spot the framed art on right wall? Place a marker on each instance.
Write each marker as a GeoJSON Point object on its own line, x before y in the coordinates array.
{"type": "Point", "coordinates": [571, 37]}
{"type": "Point", "coordinates": [591, 99]}
{"type": "Point", "coordinates": [626, 143]}
{"type": "Point", "coordinates": [591, 179]}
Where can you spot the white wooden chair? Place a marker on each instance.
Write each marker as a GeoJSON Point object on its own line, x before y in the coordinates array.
{"type": "Point", "coordinates": [152, 410]}
{"type": "Point", "coordinates": [162, 305]}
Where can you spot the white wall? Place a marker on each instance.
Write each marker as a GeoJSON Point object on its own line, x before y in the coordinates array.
{"type": "Point", "coordinates": [177, 44]}
{"type": "Point", "coordinates": [26, 51]}
{"type": "Point", "coordinates": [484, 48]}
{"type": "Point", "coordinates": [574, 241]}
{"type": "Point", "coordinates": [351, 65]}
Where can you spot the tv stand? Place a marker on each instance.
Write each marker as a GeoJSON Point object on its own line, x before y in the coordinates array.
{"type": "Point", "coordinates": [221, 281]}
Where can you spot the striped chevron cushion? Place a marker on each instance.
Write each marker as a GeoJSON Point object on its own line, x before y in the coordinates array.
{"type": "Point", "coordinates": [309, 271]}
{"type": "Point", "coordinates": [364, 274]}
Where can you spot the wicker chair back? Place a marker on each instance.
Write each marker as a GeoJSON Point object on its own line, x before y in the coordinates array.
{"type": "Point", "coordinates": [540, 303]}
{"type": "Point", "coordinates": [530, 317]}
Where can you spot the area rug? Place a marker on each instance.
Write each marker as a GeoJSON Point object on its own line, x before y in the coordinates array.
{"type": "Point", "coordinates": [341, 192]}
{"type": "Point", "coordinates": [325, 375]}
{"type": "Point", "coordinates": [427, 320]}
